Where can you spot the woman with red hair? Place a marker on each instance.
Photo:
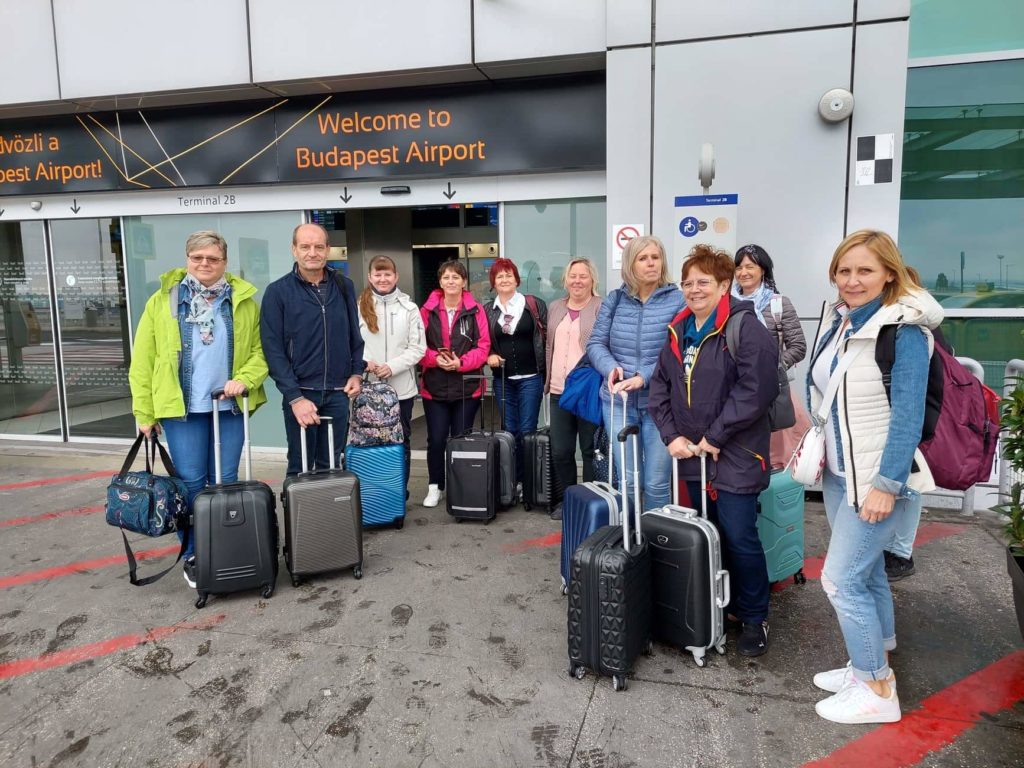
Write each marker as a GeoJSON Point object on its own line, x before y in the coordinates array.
{"type": "Point", "coordinates": [518, 328]}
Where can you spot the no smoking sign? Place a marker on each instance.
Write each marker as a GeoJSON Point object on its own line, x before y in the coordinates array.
{"type": "Point", "coordinates": [622, 234]}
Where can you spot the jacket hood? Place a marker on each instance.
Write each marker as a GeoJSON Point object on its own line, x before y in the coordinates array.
{"type": "Point", "coordinates": [436, 298]}
{"type": "Point", "coordinates": [240, 289]}
{"type": "Point", "coordinates": [915, 308]}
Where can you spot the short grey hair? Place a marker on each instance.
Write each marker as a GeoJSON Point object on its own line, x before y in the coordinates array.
{"type": "Point", "coordinates": [203, 238]}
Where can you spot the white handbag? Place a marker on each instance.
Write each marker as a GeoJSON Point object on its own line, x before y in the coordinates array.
{"type": "Point", "coordinates": [808, 460]}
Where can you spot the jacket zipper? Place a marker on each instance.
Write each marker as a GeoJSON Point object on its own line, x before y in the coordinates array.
{"type": "Point", "coordinates": [693, 365]}
{"type": "Point", "coordinates": [846, 419]}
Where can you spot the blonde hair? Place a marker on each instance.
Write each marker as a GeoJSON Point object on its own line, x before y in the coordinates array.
{"type": "Point", "coordinates": [629, 254]}
{"type": "Point", "coordinates": [590, 268]}
{"type": "Point", "coordinates": [888, 255]}
{"type": "Point", "coordinates": [366, 307]}
{"type": "Point", "coordinates": [205, 237]}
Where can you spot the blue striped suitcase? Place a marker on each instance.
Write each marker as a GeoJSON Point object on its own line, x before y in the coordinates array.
{"type": "Point", "coordinates": [381, 473]}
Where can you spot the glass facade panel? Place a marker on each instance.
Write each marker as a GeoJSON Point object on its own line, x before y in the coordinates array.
{"type": "Point", "coordinates": [88, 275]}
{"type": "Point", "coordinates": [542, 236]}
{"type": "Point", "coordinates": [992, 341]}
{"type": "Point", "coordinates": [962, 207]}
{"type": "Point", "coordinates": [948, 27]}
{"type": "Point", "coordinates": [28, 376]}
{"type": "Point", "coordinates": [259, 250]}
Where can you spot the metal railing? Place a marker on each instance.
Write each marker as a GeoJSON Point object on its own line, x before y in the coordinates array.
{"type": "Point", "coordinates": [1007, 475]}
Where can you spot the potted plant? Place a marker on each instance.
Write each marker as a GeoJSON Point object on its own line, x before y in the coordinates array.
{"type": "Point", "coordinates": [1012, 426]}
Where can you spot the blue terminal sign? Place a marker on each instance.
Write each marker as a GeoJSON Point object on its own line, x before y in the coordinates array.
{"type": "Point", "coordinates": [496, 128]}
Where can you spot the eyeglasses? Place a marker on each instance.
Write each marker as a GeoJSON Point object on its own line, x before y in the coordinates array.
{"type": "Point", "coordinates": [312, 248]}
{"type": "Point", "coordinates": [704, 283]}
{"type": "Point", "coordinates": [208, 259]}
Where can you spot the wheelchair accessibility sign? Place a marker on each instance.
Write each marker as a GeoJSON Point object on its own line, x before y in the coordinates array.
{"type": "Point", "coordinates": [708, 219]}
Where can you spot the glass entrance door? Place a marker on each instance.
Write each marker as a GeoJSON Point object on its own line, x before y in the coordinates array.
{"type": "Point", "coordinates": [88, 273]}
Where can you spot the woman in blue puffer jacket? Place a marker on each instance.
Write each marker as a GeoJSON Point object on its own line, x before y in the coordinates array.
{"type": "Point", "coordinates": [624, 348]}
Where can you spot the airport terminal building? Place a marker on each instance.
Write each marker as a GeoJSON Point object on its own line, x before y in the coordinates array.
{"type": "Point", "coordinates": [469, 129]}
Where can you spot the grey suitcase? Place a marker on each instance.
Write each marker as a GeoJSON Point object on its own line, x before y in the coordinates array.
{"type": "Point", "coordinates": [235, 528]}
{"type": "Point", "coordinates": [689, 586]}
{"type": "Point", "coordinates": [323, 519]}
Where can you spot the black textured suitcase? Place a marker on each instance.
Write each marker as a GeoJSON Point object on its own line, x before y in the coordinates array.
{"type": "Point", "coordinates": [323, 519]}
{"type": "Point", "coordinates": [471, 476]}
{"type": "Point", "coordinates": [690, 587]}
{"type": "Point", "coordinates": [609, 611]}
{"type": "Point", "coordinates": [235, 529]}
{"type": "Point", "coordinates": [541, 488]}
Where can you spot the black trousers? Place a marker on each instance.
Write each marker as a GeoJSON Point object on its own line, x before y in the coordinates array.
{"type": "Point", "coordinates": [445, 418]}
{"type": "Point", "coordinates": [566, 429]}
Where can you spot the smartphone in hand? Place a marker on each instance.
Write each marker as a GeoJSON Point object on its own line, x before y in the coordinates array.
{"type": "Point", "coordinates": [445, 352]}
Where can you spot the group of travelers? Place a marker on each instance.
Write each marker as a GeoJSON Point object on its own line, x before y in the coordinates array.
{"type": "Point", "coordinates": [692, 397]}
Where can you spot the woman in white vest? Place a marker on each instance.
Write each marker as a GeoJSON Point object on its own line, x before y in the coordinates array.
{"type": "Point", "coordinates": [392, 332]}
{"type": "Point", "coordinates": [873, 468]}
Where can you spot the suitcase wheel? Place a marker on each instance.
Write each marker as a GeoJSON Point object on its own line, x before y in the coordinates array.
{"type": "Point", "coordinates": [649, 649]}
{"type": "Point", "coordinates": [565, 590]}
{"type": "Point", "coordinates": [619, 683]}
{"type": "Point", "coordinates": [699, 661]}
{"type": "Point", "coordinates": [201, 600]}
{"type": "Point", "coordinates": [357, 572]}
{"type": "Point", "coordinates": [400, 523]}
{"type": "Point", "coordinates": [296, 581]}
{"type": "Point", "coordinates": [527, 506]}
{"type": "Point", "coordinates": [799, 578]}
{"type": "Point", "coordinates": [578, 671]}
{"type": "Point", "coordinates": [268, 591]}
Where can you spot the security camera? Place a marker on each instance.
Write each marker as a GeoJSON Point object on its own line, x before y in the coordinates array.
{"type": "Point", "coordinates": [835, 105]}
{"type": "Point", "coordinates": [35, 205]}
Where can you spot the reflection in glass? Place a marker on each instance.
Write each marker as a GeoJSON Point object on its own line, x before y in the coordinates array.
{"type": "Point", "coordinates": [93, 317]}
{"type": "Point", "coordinates": [992, 341]}
{"type": "Point", "coordinates": [28, 380]}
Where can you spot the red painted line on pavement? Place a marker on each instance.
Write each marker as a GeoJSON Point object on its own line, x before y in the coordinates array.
{"type": "Point", "coordinates": [551, 540]}
{"type": "Point", "coordinates": [83, 565]}
{"type": "Point", "coordinates": [77, 511]}
{"type": "Point", "coordinates": [55, 480]}
{"type": "Point", "coordinates": [102, 648]}
{"type": "Point", "coordinates": [937, 722]}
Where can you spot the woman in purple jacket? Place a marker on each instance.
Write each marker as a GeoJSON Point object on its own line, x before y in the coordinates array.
{"type": "Point", "coordinates": [707, 398]}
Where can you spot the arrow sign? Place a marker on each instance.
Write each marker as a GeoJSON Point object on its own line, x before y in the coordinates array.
{"type": "Point", "coordinates": [346, 197]}
{"type": "Point", "coordinates": [75, 208]}
{"type": "Point", "coordinates": [450, 193]}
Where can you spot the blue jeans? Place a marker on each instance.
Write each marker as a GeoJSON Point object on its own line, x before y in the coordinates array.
{"type": "Point", "coordinates": [190, 441]}
{"type": "Point", "coordinates": [905, 530]}
{"type": "Point", "coordinates": [735, 517]}
{"type": "Point", "coordinates": [853, 577]}
{"type": "Point", "coordinates": [654, 461]}
{"type": "Point", "coordinates": [329, 402]}
{"type": "Point", "coordinates": [519, 401]}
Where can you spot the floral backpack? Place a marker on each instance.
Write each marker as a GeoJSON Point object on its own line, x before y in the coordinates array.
{"type": "Point", "coordinates": [375, 418]}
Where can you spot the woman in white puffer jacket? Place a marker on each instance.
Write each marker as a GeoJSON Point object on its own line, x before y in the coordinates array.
{"type": "Point", "coordinates": [392, 331]}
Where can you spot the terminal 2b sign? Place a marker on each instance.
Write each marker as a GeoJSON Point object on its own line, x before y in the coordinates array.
{"type": "Point", "coordinates": [471, 130]}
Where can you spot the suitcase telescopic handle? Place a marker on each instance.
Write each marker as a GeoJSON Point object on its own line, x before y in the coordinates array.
{"type": "Point", "coordinates": [631, 430]}
{"type": "Point", "coordinates": [611, 424]}
{"type": "Point", "coordinates": [703, 456]}
{"type": "Point", "coordinates": [215, 395]}
{"type": "Point", "coordinates": [330, 444]}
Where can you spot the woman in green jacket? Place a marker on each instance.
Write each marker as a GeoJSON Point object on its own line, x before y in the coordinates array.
{"type": "Point", "coordinates": [199, 332]}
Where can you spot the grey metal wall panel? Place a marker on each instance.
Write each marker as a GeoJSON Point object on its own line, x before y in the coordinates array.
{"type": "Point", "coordinates": [628, 21]}
{"type": "Point", "coordinates": [526, 29]}
{"type": "Point", "coordinates": [325, 38]}
{"type": "Point", "coordinates": [874, 10]}
{"type": "Point", "coordinates": [28, 38]}
{"type": "Point", "coordinates": [629, 143]}
{"type": "Point", "coordinates": [771, 147]}
{"type": "Point", "coordinates": [880, 88]}
{"type": "Point", "coordinates": [695, 19]}
{"type": "Point", "coordinates": [124, 46]}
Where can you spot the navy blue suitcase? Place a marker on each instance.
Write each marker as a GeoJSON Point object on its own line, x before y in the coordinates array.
{"type": "Point", "coordinates": [586, 508]}
{"type": "Point", "coordinates": [381, 473]}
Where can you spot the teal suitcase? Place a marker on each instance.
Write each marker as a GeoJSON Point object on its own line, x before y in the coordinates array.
{"type": "Point", "coordinates": [780, 525]}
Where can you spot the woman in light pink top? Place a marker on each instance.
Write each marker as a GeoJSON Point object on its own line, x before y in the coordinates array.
{"type": "Point", "coordinates": [570, 321]}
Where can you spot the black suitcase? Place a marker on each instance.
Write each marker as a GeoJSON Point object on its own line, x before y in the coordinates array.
{"type": "Point", "coordinates": [690, 587]}
{"type": "Point", "coordinates": [323, 520]}
{"type": "Point", "coordinates": [506, 457]}
{"type": "Point", "coordinates": [609, 611]}
{"type": "Point", "coordinates": [235, 528]}
{"type": "Point", "coordinates": [471, 476]}
{"type": "Point", "coordinates": [540, 484]}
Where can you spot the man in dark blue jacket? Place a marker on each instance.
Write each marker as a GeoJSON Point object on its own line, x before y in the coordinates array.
{"type": "Point", "coordinates": [309, 326]}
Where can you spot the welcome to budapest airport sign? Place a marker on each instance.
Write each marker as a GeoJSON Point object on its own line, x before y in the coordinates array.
{"type": "Point", "coordinates": [498, 128]}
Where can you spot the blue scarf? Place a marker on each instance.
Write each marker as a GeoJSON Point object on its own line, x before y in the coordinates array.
{"type": "Point", "coordinates": [762, 299]}
{"type": "Point", "coordinates": [203, 304]}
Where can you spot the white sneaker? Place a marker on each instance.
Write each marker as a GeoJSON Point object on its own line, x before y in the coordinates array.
{"type": "Point", "coordinates": [433, 496]}
{"type": "Point", "coordinates": [189, 571]}
{"type": "Point", "coordinates": [856, 704]}
{"type": "Point", "coordinates": [835, 680]}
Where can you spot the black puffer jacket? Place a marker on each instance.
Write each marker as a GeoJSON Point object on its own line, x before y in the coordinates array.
{"type": "Point", "coordinates": [725, 398]}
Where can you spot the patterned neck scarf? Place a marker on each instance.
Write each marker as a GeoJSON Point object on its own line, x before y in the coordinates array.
{"type": "Point", "coordinates": [762, 299]}
{"type": "Point", "coordinates": [203, 304]}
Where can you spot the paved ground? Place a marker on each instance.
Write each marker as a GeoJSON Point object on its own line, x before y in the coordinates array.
{"type": "Point", "coordinates": [451, 652]}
